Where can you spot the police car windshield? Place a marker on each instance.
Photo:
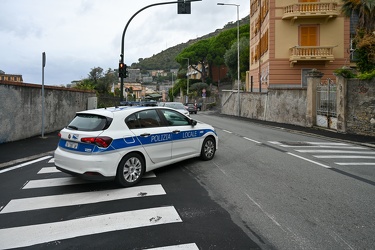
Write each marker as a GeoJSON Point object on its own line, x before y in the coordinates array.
{"type": "Point", "coordinates": [88, 122]}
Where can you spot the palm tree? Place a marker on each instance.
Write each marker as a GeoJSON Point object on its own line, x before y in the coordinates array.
{"type": "Point", "coordinates": [364, 9]}
{"type": "Point", "coordinates": [365, 34]}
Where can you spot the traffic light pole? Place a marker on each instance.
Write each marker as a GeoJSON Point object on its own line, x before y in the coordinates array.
{"type": "Point", "coordinates": [122, 55]}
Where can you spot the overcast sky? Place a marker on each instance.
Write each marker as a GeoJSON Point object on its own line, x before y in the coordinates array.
{"type": "Point", "coordinates": [78, 35]}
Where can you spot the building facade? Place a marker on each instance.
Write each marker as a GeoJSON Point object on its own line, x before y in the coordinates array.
{"type": "Point", "coordinates": [288, 38]}
{"type": "Point", "coordinates": [11, 77]}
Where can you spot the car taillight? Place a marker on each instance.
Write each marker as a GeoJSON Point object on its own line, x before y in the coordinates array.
{"type": "Point", "coordinates": [101, 141]}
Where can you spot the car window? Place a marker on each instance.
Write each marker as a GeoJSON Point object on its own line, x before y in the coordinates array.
{"type": "Point", "coordinates": [175, 105]}
{"type": "Point", "coordinates": [143, 119]}
{"type": "Point", "coordinates": [175, 118]}
{"type": "Point", "coordinates": [89, 122]}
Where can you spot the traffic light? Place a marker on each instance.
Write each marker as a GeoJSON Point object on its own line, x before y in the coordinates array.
{"type": "Point", "coordinates": [122, 72]}
{"type": "Point", "coordinates": [183, 7]}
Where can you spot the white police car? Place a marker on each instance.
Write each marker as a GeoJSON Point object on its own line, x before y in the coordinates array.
{"type": "Point", "coordinates": [123, 143]}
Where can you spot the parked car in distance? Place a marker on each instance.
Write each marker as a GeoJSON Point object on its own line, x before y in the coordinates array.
{"type": "Point", "coordinates": [123, 143]}
{"type": "Point", "coordinates": [191, 107]}
{"type": "Point", "coordinates": [175, 105]}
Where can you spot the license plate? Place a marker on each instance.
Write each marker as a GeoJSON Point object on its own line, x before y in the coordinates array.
{"type": "Point", "coordinates": [70, 144]}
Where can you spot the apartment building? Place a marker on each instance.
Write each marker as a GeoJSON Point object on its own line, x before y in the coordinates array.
{"type": "Point", "coordinates": [11, 77]}
{"type": "Point", "coordinates": [288, 38]}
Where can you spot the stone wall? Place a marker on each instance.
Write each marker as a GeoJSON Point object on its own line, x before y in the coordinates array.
{"type": "Point", "coordinates": [360, 115]}
{"type": "Point", "coordinates": [21, 109]}
{"type": "Point", "coordinates": [277, 105]}
{"type": "Point", "coordinates": [355, 105]}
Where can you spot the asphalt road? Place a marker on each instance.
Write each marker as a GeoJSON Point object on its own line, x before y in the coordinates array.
{"type": "Point", "coordinates": [292, 189]}
{"type": "Point", "coordinates": [270, 186]}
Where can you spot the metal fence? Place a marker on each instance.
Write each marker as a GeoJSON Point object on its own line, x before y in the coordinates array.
{"type": "Point", "coordinates": [326, 109]}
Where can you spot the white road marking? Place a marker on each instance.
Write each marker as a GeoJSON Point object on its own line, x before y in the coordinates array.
{"type": "Point", "coordinates": [227, 131]}
{"type": "Point", "coordinates": [41, 233]}
{"type": "Point", "coordinates": [52, 160]}
{"type": "Point", "coordinates": [5, 164]}
{"type": "Point", "coordinates": [49, 170]}
{"type": "Point", "coordinates": [191, 246]}
{"type": "Point", "coordinates": [54, 182]}
{"type": "Point", "coordinates": [24, 164]}
{"type": "Point", "coordinates": [335, 151]}
{"type": "Point", "coordinates": [355, 163]}
{"type": "Point", "coordinates": [344, 156]}
{"type": "Point", "coordinates": [303, 158]}
{"type": "Point", "coordinates": [329, 143]}
{"type": "Point", "coordinates": [63, 200]}
{"type": "Point", "coordinates": [251, 140]}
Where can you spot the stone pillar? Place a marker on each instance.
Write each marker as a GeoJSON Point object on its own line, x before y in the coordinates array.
{"type": "Point", "coordinates": [313, 80]}
{"type": "Point", "coordinates": [342, 99]}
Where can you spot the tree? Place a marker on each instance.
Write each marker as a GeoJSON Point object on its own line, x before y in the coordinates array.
{"type": "Point", "coordinates": [231, 58]}
{"type": "Point", "coordinates": [365, 35]}
{"type": "Point", "coordinates": [197, 54]}
{"type": "Point", "coordinates": [364, 9]}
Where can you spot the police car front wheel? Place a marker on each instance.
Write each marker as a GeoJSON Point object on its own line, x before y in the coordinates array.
{"type": "Point", "coordinates": [130, 170]}
{"type": "Point", "coordinates": [208, 149]}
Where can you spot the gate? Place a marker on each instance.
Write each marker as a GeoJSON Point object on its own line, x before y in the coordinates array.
{"type": "Point", "coordinates": [326, 110]}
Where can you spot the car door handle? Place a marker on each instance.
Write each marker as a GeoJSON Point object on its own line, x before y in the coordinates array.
{"type": "Point", "coordinates": [145, 135]}
{"type": "Point", "coordinates": [176, 132]}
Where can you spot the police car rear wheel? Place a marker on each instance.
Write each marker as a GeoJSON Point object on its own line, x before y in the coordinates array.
{"type": "Point", "coordinates": [208, 149]}
{"type": "Point", "coordinates": [130, 170]}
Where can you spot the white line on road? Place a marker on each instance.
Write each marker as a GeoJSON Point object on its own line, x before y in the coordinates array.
{"type": "Point", "coordinates": [65, 181]}
{"type": "Point", "coordinates": [303, 158]}
{"type": "Point", "coordinates": [191, 246]}
{"type": "Point", "coordinates": [41, 233]}
{"type": "Point", "coordinates": [24, 164]}
{"type": "Point", "coordinates": [63, 200]}
{"type": "Point", "coordinates": [54, 182]}
{"type": "Point", "coordinates": [3, 165]}
{"type": "Point", "coordinates": [355, 163]}
{"type": "Point", "coordinates": [49, 170]}
{"type": "Point", "coordinates": [344, 156]}
{"type": "Point", "coordinates": [227, 131]}
{"type": "Point", "coordinates": [251, 140]}
{"type": "Point", "coordinates": [335, 151]}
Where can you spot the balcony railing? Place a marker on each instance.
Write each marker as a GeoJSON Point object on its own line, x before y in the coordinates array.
{"type": "Point", "coordinates": [311, 10]}
{"type": "Point", "coordinates": [311, 53]}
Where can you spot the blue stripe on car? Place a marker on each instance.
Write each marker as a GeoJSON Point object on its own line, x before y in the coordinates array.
{"type": "Point", "coordinates": [121, 143]}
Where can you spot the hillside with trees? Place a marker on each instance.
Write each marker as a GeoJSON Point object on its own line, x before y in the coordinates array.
{"type": "Point", "coordinates": [166, 59]}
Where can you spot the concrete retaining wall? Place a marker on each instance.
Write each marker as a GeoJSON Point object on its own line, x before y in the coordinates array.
{"type": "Point", "coordinates": [355, 105]}
{"type": "Point", "coordinates": [278, 105]}
{"type": "Point", "coordinates": [21, 109]}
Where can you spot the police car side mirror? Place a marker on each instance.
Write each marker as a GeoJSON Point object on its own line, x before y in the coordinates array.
{"type": "Point", "coordinates": [193, 122]}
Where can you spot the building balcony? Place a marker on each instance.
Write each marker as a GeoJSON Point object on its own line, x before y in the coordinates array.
{"type": "Point", "coordinates": [325, 10]}
{"type": "Point", "coordinates": [311, 53]}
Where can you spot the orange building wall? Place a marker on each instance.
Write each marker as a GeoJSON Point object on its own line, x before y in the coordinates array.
{"type": "Point", "coordinates": [283, 34]}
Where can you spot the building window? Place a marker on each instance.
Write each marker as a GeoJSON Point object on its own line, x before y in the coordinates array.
{"type": "Point", "coordinates": [308, 35]}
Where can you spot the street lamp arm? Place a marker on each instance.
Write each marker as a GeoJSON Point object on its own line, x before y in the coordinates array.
{"type": "Point", "coordinates": [148, 6]}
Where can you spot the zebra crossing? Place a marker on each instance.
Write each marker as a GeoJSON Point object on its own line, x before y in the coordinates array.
{"type": "Point", "coordinates": [343, 154]}
{"type": "Point", "coordinates": [90, 224]}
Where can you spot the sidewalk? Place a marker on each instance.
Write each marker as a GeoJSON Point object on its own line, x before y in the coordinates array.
{"type": "Point", "coordinates": [27, 149]}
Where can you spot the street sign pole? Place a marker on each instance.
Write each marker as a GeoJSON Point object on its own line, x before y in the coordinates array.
{"type": "Point", "coordinates": [43, 65]}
